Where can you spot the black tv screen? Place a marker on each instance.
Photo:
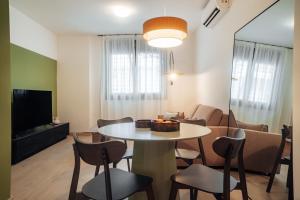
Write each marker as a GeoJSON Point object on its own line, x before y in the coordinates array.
{"type": "Point", "coordinates": [30, 108]}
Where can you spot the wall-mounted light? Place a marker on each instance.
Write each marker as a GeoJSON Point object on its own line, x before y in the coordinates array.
{"type": "Point", "coordinates": [172, 74]}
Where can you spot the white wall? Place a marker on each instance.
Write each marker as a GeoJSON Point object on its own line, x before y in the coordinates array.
{"type": "Point", "coordinates": [214, 50]}
{"type": "Point", "coordinates": [95, 44]}
{"type": "Point", "coordinates": [79, 58]}
{"type": "Point", "coordinates": [182, 95]}
{"type": "Point", "coordinates": [73, 81]}
{"type": "Point", "coordinates": [30, 35]}
{"type": "Point", "coordinates": [296, 105]}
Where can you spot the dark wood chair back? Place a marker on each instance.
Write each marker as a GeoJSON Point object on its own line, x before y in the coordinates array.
{"type": "Point", "coordinates": [230, 147]}
{"type": "Point", "coordinates": [105, 122]}
{"type": "Point", "coordinates": [200, 122]}
{"type": "Point", "coordinates": [96, 154]}
{"type": "Point", "coordinates": [290, 178]}
{"type": "Point", "coordinates": [286, 133]}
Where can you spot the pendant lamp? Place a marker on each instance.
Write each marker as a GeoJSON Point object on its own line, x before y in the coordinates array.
{"type": "Point", "coordinates": [165, 32]}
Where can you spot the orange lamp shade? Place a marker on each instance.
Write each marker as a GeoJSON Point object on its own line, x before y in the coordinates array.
{"type": "Point", "coordinates": [165, 32]}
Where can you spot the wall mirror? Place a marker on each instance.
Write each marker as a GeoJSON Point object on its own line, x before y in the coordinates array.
{"type": "Point", "coordinates": [261, 89]}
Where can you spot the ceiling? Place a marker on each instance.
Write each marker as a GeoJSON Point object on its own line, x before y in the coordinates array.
{"type": "Point", "coordinates": [97, 17]}
{"type": "Point", "coordinates": [275, 26]}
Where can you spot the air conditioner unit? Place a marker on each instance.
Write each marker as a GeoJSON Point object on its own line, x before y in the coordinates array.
{"type": "Point", "coordinates": [213, 12]}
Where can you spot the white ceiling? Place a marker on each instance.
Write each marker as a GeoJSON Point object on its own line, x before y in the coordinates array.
{"type": "Point", "coordinates": [97, 17]}
{"type": "Point", "coordinates": [275, 26]}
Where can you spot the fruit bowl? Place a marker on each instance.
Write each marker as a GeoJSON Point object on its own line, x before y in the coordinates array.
{"type": "Point", "coordinates": [162, 125]}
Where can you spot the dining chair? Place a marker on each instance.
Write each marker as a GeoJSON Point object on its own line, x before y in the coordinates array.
{"type": "Point", "coordinates": [203, 178]}
{"type": "Point", "coordinates": [111, 184]}
{"type": "Point", "coordinates": [129, 151]}
{"type": "Point", "coordinates": [286, 135]}
{"type": "Point", "coordinates": [187, 155]}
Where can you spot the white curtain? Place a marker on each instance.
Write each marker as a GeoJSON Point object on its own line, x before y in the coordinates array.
{"type": "Point", "coordinates": [262, 84]}
{"type": "Point", "coordinates": [133, 81]}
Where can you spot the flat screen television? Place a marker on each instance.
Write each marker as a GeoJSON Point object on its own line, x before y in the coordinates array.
{"type": "Point", "coordinates": [30, 108]}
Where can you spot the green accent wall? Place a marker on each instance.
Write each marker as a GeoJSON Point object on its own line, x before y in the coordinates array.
{"type": "Point", "coordinates": [5, 102]}
{"type": "Point", "coordinates": [30, 70]}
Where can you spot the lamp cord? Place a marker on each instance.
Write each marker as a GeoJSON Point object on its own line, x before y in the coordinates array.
{"type": "Point", "coordinates": [171, 62]}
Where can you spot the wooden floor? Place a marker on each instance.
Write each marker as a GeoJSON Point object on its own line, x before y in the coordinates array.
{"type": "Point", "coordinates": [47, 176]}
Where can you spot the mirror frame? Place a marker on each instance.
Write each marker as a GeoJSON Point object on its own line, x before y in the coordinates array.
{"type": "Point", "coordinates": [234, 36]}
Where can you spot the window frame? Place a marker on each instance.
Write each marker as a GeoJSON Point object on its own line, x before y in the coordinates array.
{"type": "Point", "coordinates": [250, 103]}
{"type": "Point", "coordinates": [135, 93]}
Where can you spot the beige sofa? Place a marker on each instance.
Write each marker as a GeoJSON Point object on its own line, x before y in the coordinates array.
{"type": "Point", "coordinates": [212, 116]}
{"type": "Point", "coordinates": [259, 151]}
{"type": "Point", "coordinates": [215, 117]}
{"type": "Point", "coordinates": [260, 147]}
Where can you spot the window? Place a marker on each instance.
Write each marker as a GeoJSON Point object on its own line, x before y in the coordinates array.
{"type": "Point", "coordinates": [121, 74]}
{"type": "Point", "coordinates": [261, 91]}
{"type": "Point", "coordinates": [149, 73]}
{"type": "Point", "coordinates": [134, 70]}
{"type": "Point", "coordinates": [144, 76]}
{"type": "Point", "coordinates": [239, 79]}
{"type": "Point", "coordinates": [260, 82]}
{"type": "Point", "coordinates": [253, 76]}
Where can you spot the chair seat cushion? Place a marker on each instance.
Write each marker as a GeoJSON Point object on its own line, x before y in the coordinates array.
{"type": "Point", "coordinates": [203, 178]}
{"type": "Point", "coordinates": [186, 154]}
{"type": "Point", "coordinates": [128, 153]}
{"type": "Point", "coordinates": [123, 185]}
{"type": "Point", "coordinates": [80, 196]}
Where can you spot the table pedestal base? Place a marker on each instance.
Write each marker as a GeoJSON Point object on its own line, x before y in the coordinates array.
{"type": "Point", "coordinates": [157, 160]}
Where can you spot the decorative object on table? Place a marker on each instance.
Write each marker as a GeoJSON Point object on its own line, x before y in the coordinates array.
{"type": "Point", "coordinates": [143, 123]}
{"type": "Point", "coordinates": [172, 116]}
{"type": "Point", "coordinates": [161, 125]}
{"type": "Point", "coordinates": [165, 32]}
{"type": "Point", "coordinates": [56, 120]}
{"type": "Point", "coordinates": [160, 116]}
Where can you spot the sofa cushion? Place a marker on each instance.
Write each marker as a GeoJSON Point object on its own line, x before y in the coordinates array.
{"type": "Point", "coordinates": [211, 115]}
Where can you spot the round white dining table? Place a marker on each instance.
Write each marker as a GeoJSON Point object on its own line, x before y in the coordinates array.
{"type": "Point", "coordinates": [154, 152]}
